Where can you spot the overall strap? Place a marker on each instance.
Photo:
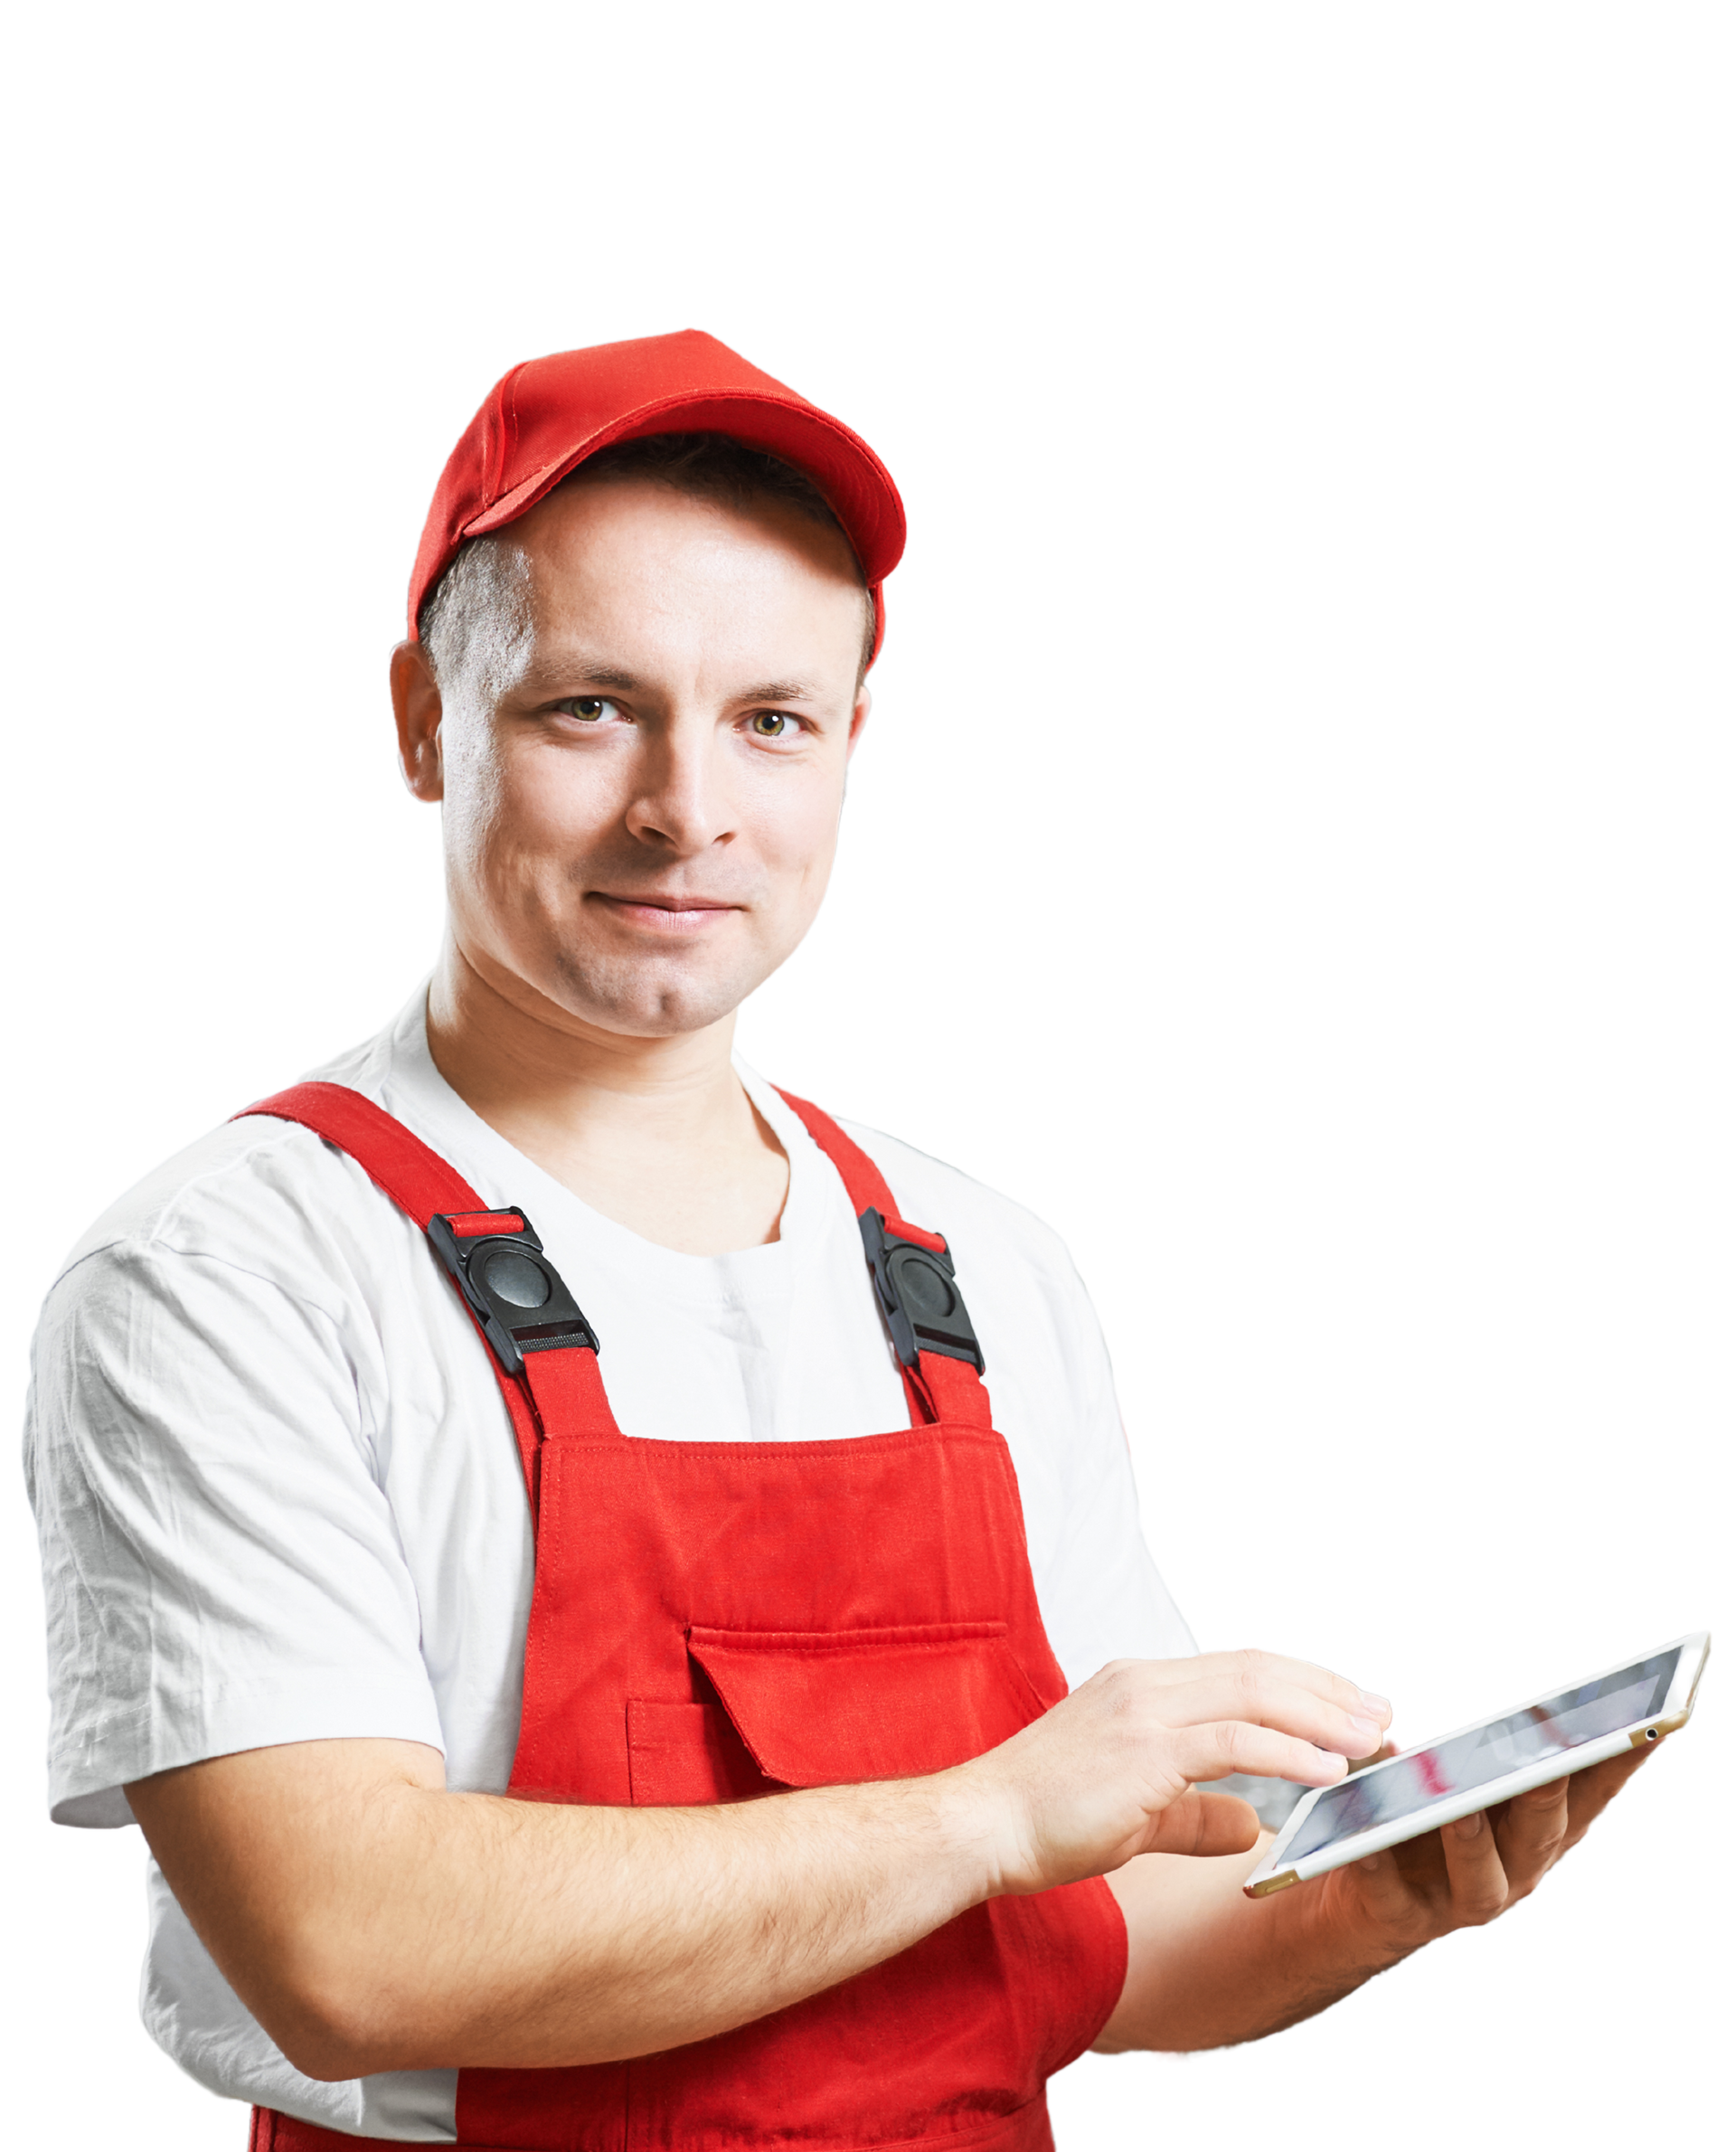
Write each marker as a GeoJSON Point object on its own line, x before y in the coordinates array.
{"type": "Point", "coordinates": [914, 1282]}
{"type": "Point", "coordinates": [544, 1351]}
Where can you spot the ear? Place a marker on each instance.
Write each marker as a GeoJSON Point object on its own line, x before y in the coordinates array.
{"type": "Point", "coordinates": [858, 717]}
{"type": "Point", "coordinates": [416, 705]}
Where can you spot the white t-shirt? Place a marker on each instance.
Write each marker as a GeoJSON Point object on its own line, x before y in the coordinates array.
{"type": "Point", "coordinates": [280, 1499]}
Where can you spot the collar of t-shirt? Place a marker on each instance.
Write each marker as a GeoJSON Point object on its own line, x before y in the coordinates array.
{"type": "Point", "coordinates": [769, 1312]}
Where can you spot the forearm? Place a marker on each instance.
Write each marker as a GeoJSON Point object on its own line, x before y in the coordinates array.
{"type": "Point", "coordinates": [528, 1935]}
{"type": "Point", "coordinates": [433, 1929]}
{"type": "Point", "coordinates": [1208, 1967]}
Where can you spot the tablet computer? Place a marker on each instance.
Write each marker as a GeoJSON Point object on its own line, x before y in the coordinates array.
{"type": "Point", "coordinates": [1402, 1797]}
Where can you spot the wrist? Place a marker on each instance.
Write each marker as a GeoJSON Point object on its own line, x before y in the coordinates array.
{"type": "Point", "coordinates": [972, 1825]}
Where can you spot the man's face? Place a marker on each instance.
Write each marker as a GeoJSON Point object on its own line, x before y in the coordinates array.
{"type": "Point", "coordinates": [640, 827]}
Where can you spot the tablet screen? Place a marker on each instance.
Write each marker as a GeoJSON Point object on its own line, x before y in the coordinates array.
{"type": "Point", "coordinates": [1387, 1791]}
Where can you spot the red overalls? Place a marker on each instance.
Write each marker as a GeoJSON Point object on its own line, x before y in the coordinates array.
{"type": "Point", "coordinates": [716, 1620]}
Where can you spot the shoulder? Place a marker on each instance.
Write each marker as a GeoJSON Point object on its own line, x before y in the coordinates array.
{"type": "Point", "coordinates": [259, 1194]}
{"type": "Point", "coordinates": [992, 1233]}
{"type": "Point", "coordinates": [941, 1199]}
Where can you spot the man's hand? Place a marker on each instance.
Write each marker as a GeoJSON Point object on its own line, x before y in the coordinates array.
{"type": "Point", "coordinates": [1206, 1967]}
{"type": "Point", "coordinates": [1467, 1873]}
{"type": "Point", "coordinates": [1110, 1772]}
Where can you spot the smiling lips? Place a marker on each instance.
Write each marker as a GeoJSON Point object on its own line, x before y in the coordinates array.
{"type": "Point", "coordinates": [665, 915]}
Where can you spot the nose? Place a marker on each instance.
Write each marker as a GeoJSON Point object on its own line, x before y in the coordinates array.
{"type": "Point", "coordinates": [683, 805]}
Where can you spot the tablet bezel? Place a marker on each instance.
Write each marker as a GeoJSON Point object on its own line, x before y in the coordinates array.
{"type": "Point", "coordinates": [1277, 1871]}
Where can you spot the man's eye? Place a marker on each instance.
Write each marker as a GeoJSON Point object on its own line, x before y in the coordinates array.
{"type": "Point", "coordinates": [771, 725]}
{"type": "Point", "coordinates": [591, 708]}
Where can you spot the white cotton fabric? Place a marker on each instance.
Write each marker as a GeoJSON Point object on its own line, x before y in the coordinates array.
{"type": "Point", "coordinates": [280, 1500]}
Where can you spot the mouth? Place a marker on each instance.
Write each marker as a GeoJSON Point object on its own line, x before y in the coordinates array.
{"type": "Point", "coordinates": [665, 915]}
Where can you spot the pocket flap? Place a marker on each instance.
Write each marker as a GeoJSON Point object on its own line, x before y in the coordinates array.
{"type": "Point", "coordinates": [832, 1707]}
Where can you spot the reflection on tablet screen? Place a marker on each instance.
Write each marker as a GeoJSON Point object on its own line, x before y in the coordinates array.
{"type": "Point", "coordinates": [1386, 1791]}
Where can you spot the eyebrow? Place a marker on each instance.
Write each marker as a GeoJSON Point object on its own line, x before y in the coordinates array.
{"type": "Point", "coordinates": [542, 677]}
{"type": "Point", "coordinates": [617, 676]}
{"type": "Point", "coordinates": [777, 691]}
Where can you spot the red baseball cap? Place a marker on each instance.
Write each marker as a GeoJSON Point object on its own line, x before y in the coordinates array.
{"type": "Point", "coordinates": [544, 418]}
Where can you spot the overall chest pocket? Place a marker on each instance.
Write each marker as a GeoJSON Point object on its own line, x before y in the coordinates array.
{"type": "Point", "coordinates": [827, 1708]}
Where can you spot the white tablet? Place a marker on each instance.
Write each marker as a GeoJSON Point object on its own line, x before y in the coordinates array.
{"type": "Point", "coordinates": [1404, 1795]}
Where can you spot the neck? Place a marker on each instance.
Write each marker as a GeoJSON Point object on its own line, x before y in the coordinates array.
{"type": "Point", "coordinates": [502, 1042]}
{"type": "Point", "coordinates": [656, 1133]}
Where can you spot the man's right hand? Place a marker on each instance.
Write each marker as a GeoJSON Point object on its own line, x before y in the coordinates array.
{"type": "Point", "coordinates": [1110, 1772]}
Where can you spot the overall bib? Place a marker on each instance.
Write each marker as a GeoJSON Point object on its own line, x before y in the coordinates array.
{"type": "Point", "coordinates": [714, 1621]}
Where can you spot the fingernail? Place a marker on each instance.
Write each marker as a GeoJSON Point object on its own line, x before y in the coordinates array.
{"type": "Point", "coordinates": [1468, 1826]}
{"type": "Point", "coordinates": [1368, 1733]}
{"type": "Point", "coordinates": [1377, 1705]}
{"type": "Point", "coordinates": [1369, 1863]}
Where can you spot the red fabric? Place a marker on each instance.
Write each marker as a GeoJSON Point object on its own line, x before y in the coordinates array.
{"type": "Point", "coordinates": [570, 1399]}
{"type": "Point", "coordinates": [478, 1223]}
{"type": "Point", "coordinates": [544, 418]}
{"type": "Point", "coordinates": [952, 1390]}
{"type": "Point", "coordinates": [1027, 2131]}
{"type": "Point", "coordinates": [722, 1620]}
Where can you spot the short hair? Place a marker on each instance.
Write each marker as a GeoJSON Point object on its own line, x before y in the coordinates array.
{"type": "Point", "coordinates": [475, 619]}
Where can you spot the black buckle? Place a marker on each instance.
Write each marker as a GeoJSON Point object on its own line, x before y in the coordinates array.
{"type": "Point", "coordinates": [919, 1295]}
{"type": "Point", "coordinates": [515, 1290]}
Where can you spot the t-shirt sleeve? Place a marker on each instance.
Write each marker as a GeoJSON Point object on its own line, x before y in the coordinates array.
{"type": "Point", "coordinates": [1101, 1594]}
{"type": "Point", "coordinates": [221, 1565]}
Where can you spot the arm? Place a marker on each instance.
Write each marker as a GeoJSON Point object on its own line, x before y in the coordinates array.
{"type": "Point", "coordinates": [1207, 1966]}
{"type": "Point", "coordinates": [372, 1920]}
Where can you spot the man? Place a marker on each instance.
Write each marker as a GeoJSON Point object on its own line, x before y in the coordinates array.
{"type": "Point", "coordinates": [669, 1744]}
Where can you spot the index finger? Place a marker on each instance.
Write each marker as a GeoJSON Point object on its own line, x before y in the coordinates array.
{"type": "Point", "coordinates": [1250, 1668]}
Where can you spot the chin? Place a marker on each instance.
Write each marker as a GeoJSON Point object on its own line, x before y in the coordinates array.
{"type": "Point", "coordinates": [621, 998]}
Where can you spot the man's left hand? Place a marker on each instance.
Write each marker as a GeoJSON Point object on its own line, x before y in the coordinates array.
{"type": "Point", "coordinates": [1206, 1967]}
{"type": "Point", "coordinates": [1467, 1872]}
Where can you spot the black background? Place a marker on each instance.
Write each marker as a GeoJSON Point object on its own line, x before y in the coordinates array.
{"type": "Point", "coordinates": [1277, 857]}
